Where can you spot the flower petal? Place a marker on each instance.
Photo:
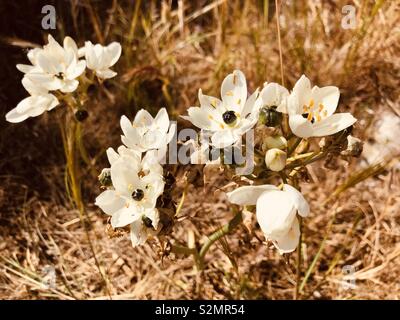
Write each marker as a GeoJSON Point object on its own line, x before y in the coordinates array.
{"type": "Point", "coordinates": [248, 195]}
{"type": "Point", "coordinates": [109, 201]}
{"type": "Point", "coordinates": [124, 175]}
{"type": "Point", "coordinates": [329, 97]}
{"type": "Point", "coordinates": [275, 213]}
{"type": "Point", "coordinates": [70, 44]}
{"type": "Point", "coordinates": [224, 138]}
{"type": "Point", "coordinates": [289, 241]}
{"type": "Point", "coordinates": [14, 116]}
{"type": "Point", "coordinates": [25, 68]}
{"type": "Point", "coordinates": [76, 69]}
{"type": "Point", "coordinates": [333, 124]}
{"type": "Point", "coordinates": [113, 50]}
{"type": "Point", "coordinates": [162, 120]}
{"type": "Point", "coordinates": [274, 94]}
{"type": "Point", "coordinates": [138, 233]}
{"type": "Point", "coordinates": [143, 118]}
{"type": "Point", "coordinates": [124, 216]}
{"type": "Point", "coordinates": [106, 74]}
{"type": "Point", "coordinates": [112, 155]}
{"type": "Point", "coordinates": [252, 105]}
{"type": "Point", "coordinates": [300, 126]}
{"type": "Point", "coordinates": [198, 117]}
{"type": "Point", "coordinates": [234, 90]}
{"type": "Point", "coordinates": [299, 202]}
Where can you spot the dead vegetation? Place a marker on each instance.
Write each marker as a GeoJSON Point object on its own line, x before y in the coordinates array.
{"type": "Point", "coordinates": [170, 49]}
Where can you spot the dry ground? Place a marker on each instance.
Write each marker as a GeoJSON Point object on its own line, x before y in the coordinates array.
{"type": "Point", "coordinates": [169, 51]}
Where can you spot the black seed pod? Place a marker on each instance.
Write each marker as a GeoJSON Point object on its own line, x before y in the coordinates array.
{"type": "Point", "coordinates": [147, 222]}
{"type": "Point", "coordinates": [229, 117]}
{"type": "Point", "coordinates": [137, 194]}
{"type": "Point", "coordinates": [81, 115]}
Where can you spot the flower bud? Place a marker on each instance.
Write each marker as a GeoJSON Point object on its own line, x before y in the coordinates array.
{"type": "Point", "coordinates": [81, 115]}
{"type": "Point", "coordinates": [275, 159]}
{"type": "Point", "coordinates": [105, 177]}
{"type": "Point", "coordinates": [270, 117]}
{"type": "Point", "coordinates": [275, 142]}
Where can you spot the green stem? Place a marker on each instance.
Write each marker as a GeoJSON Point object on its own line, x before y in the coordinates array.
{"type": "Point", "coordinates": [221, 232]}
{"type": "Point", "coordinates": [309, 160]}
{"type": "Point", "coordinates": [70, 133]}
{"type": "Point", "coordinates": [176, 248]}
{"type": "Point", "coordinates": [294, 146]}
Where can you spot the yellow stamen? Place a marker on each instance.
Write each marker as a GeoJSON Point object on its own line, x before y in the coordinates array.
{"type": "Point", "coordinates": [325, 113]}
{"type": "Point", "coordinates": [305, 108]}
{"type": "Point", "coordinates": [318, 118]}
{"type": "Point", "coordinates": [320, 107]}
{"type": "Point", "coordinates": [229, 93]}
{"type": "Point", "coordinates": [311, 104]}
{"type": "Point", "coordinates": [222, 126]}
{"type": "Point", "coordinates": [310, 116]}
{"type": "Point", "coordinates": [210, 117]}
{"type": "Point", "coordinates": [239, 101]}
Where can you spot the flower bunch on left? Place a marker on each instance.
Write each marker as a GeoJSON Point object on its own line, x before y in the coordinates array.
{"type": "Point", "coordinates": [56, 71]}
{"type": "Point", "coordinates": [134, 181]}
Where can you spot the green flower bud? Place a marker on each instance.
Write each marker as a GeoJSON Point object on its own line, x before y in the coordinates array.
{"type": "Point", "coordinates": [270, 117]}
{"type": "Point", "coordinates": [275, 142]}
{"type": "Point", "coordinates": [275, 159]}
{"type": "Point", "coordinates": [105, 177]}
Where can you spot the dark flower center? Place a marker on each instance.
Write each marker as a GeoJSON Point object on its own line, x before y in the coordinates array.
{"type": "Point", "coordinates": [60, 75]}
{"type": "Point", "coordinates": [138, 194]}
{"type": "Point", "coordinates": [305, 115]}
{"type": "Point", "coordinates": [229, 117]}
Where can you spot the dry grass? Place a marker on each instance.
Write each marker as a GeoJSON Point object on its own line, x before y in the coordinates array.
{"type": "Point", "coordinates": [170, 49]}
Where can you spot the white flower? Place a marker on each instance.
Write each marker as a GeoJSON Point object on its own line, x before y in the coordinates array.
{"type": "Point", "coordinates": [133, 199]}
{"type": "Point", "coordinates": [147, 133]}
{"type": "Point", "coordinates": [32, 106]}
{"type": "Point", "coordinates": [274, 95]}
{"type": "Point", "coordinates": [149, 163]}
{"type": "Point", "coordinates": [311, 110]}
{"type": "Point", "coordinates": [227, 119]}
{"type": "Point", "coordinates": [276, 212]}
{"type": "Point", "coordinates": [100, 59]}
{"type": "Point", "coordinates": [55, 67]}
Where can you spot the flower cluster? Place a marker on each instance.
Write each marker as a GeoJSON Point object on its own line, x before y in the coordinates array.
{"type": "Point", "coordinates": [135, 184]}
{"type": "Point", "coordinates": [57, 70]}
{"type": "Point", "coordinates": [135, 181]}
{"type": "Point", "coordinates": [309, 113]}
